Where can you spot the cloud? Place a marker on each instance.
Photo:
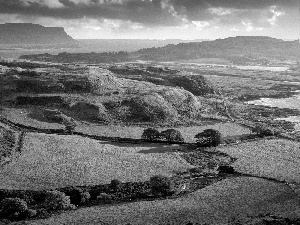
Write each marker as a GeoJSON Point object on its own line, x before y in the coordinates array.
{"type": "Point", "coordinates": [154, 12]}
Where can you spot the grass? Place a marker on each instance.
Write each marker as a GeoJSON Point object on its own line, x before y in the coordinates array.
{"type": "Point", "coordinates": [188, 133]}
{"type": "Point", "coordinates": [51, 161]}
{"type": "Point", "coordinates": [215, 204]}
{"type": "Point", "coordinates": [277, 158]}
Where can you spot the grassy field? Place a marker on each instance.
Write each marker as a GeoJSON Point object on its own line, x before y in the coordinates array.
{"type": "Point", "coordinates": [188, 133]}
{"type": "Point", "coordinates": [215, 204]}
{"type": "Point", "coordinates": [49, 161]}
{"type": "Point", "coordinates": [278, 159]}
{"type": "Point", "coordinates": [21, 116]}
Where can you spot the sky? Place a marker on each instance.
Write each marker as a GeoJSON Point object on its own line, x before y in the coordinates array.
{"type": "Point", "coordinates": [159, 19]}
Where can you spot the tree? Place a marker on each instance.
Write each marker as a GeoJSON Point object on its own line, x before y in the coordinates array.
{"type": "Point", "coordinates": [69, 123]}
{"type": "Point", "coordinates": [209, 138]}
{"type": "Point", "coordinates": [172, 135]}
{"type": "Point", "coordinates": [151, 134]}
{"type": "Point", "coordinates": [263, 130]}
{"type": "Point", "coordinates": [57, 200]}
{"type": "Point", "coordinates": [161, 185]}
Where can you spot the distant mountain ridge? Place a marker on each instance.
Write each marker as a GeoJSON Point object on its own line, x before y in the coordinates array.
{"type": "Point", "coordinates": [129, 45]}
{"type": "Point", "coordinates": [229, 48]}
{"type": "Point", "coordinates": [238, 50]}
{"type": "Point", "coordinates": [35, 34]}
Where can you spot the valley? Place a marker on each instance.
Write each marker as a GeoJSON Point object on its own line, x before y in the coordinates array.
{"type": "Point", "coordinates": [75, 123]}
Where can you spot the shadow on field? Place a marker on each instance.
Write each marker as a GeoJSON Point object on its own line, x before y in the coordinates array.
{"type": "Point", "coordinates": [153, 147]}
{"type": "Point", "coordinates": [161, 149]}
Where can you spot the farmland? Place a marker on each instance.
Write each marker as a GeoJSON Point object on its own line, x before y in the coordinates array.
{"type": "Point", "coordinates": [51, 161]}
{"type": "Point", "coordinates": [277, 158]}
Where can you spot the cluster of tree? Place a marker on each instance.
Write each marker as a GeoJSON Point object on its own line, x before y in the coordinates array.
{"type": "Point", "coordinates": [263, 130]}
{"type": "Point", "coordinates": [18, 205]}
{"type": "Point", "coordinates": [207, 138]}
{"type": "Point", "coordinates": [170, 135]}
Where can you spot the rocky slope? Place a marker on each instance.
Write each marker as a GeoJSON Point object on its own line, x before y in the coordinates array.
{"type": "Point", "coordinates": [98, 95]}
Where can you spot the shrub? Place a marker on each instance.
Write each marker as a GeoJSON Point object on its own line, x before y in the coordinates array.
{"type": "Point", "coordinates": [13, 208]}
{"type": "Point", "coordinates": [74, 193]}
{"type": "Point", "coordinates": [31, 213]}
{"type": "Point", "coordinates": [161, 185]}
{"type": "Point", "coordinates": [85, 197]}
{"type": "Point", "coordinates": [115, 184]}
{"type": "Point", "coordinates": [57, 200]}
{"type": "Point", "coordinates": [151, 134]}
{"type": "Point", "coordinates": [226, 169]}
{"type": "Point", "coordinates": [263, 130]}
{"type": "Point", "coordinates": [104, 198]}
{"type": "Point", "coordinates": [172, 135]}
{"type": "Point", "coordinates": [209, 138]}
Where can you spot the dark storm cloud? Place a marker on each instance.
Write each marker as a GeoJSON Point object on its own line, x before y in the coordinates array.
{"type": "Point", "coordinates": [198, 9]}
{"type": "Point", "coordinates": [235, 4]}
{"type": "Point", "coordinates": [145, 12]}
{"type": "Point", "coordinates": [148, 12]}
{"type": "Point", "coordinates": [67, 3]}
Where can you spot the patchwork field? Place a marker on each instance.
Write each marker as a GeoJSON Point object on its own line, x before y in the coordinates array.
{"type": "Point", "coordinates": [49, 161]}
{"type": "Point", "coordinates": [215, 204]}
{"type": "Point", "coordinates": [277, 159]}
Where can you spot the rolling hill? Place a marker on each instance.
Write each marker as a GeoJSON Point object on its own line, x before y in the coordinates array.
{"type": "Point", "coordinates": [232, 48]}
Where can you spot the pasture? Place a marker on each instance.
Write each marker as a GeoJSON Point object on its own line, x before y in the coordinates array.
{"type": "Point", "coordinates": [275, 158]}
{"type": "Point", "coordinates": [188, 132]}
{"type": "Point", "coordinates": [51, 161]}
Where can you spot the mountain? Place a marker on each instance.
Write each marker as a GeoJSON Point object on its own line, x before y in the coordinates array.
{"type": "Point", "coordinates": [233, 48]}
{"type": "Point", "coordinates": [33, 34]}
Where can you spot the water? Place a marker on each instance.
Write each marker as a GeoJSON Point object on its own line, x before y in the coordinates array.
{"type": "Point", "coordinates": [266, 68]}
{"type": "Point", "coordinates": [290, 103]}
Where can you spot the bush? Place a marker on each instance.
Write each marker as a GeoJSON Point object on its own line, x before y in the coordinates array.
{"type": "Point", "coordinates": [172, 135]}
{"type": "Point", "coordinates": [104, 198]}
{"type": "Point", "coordinates": [13, 208]}
{"type": "Point", "coordinates": [226, 169]}
{"type": "Point", "coordinates": [151, 134]}
{"type": "Point", "coordinates": [85, 197]}
{"type": "Point", "coordinates": [115, 184]}
{"type": "Point", "coordinates": [161, 185]}
{"type": "Point", "coordinates": [263, 130]}
{"type": "Point", "coordinates": [57, 200]}
{"type": "Point", "coordinates": [74, 193]}
{"type": "Point", "coordinates": [209, 138]}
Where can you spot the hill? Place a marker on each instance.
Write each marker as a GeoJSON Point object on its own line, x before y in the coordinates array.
{"type": "Point", "coordinates": [129, 45]}
{"type": "Point", "coordinates": [33, 34]}
{"type": "Point", "coordinates": [98, 95]}
{"type": "Point", "coordinates": [238, 49]}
